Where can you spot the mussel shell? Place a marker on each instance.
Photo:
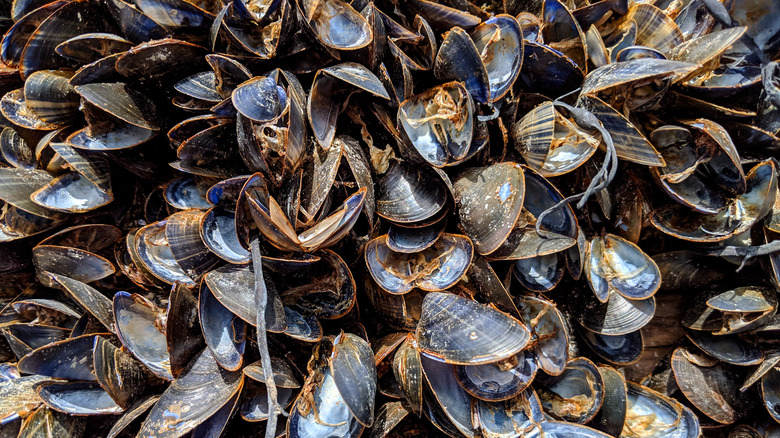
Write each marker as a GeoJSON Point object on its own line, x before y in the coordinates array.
{"type": "Point", "coordinates": [16, 38]}
{"type": "Point", "coordinates": [502, 56]}
{"type": "Point", "coordinates": [612, 415]}
{"type": "Point", "coordinates": [218, 231]}
{"type": "Point", "coordinates": [182, 231]}
{"type": "Point", "coordinates": [435, 268]}
{"type": "Point", "coordinates": [201, 390]}
{"type": "Point", "coordinates": [162, 59]}
{"type": "Point", "coordinates": [90, 47]}
{"type": "Point", "coordinates": [442, 389]}
{"type": "Point", "coordinates": [72, 19]}
{"type": "Point", "coordinates": [491, 382]}
{"type": "Point", "coordinates": [654, 28]}
{"type": "Point", "coordinates": [336, 24]}
{"type": "Point", "coordinates": [412, 240]}
{"type": "Point", "coordinates": [489, 203]}
{"type": "Point", "coordinates": [713, 390]}
{"type": "Point", "coordinates": [121, 376]}
{"type": "Point", "coordinates": [89, 298]}
{"type": "Point", "coordinates": [18, 396]}
{"type": "Point", "coordinates": [460, 331]}
{"type": "Point", "coordinates": [560, 31]}
{"type": "Point", "coordinates": [284, 377]}
{"type": "Point", "coordinates": [77, 398]}
{"type": "Point", "coordinates": [618, 316]}
{"type": "Point", "coordinates": [71, 193]}
{"type": "Point", "coordinates": [334, 416]}
{"type": "Point", "coordinates": [137, 325]}
{"type": "Point", "coordinates": [439, 123]}
{"type": "Point", "coordinates": [651, 413]}
{"type": "Point", "coordinates": [562, 396]}
{"type": "Point", "coordinates": [727, 348]}
{"type": "Point", "coordinates": [49, 95]}
{"type": "Point", "coordinates": [81, 265]}
{"type": "Point", "coordinates": [19, 184]}
{"type": "Point", "coordinates": [354, 374]}
{"type": "Point", "coordinates": [225, 333]}
{"type": "Point", "coordinates": [15, 151]}
{"type": "Point", "coordinates": [458, 60]}
{"type": "Point", "coordinates": [122, 102]}
{"type": "Point", "coordinates": [540, 273]}
{"type": "Point", "coordinates": [182, 330]}
{"type": "Point", "coordinates": [67, 359]}
{"type": "Point", "coordinates": [255, 401]}
{"type": "Point", "coordinates": [234, 286]}
{"type": "Point", "coordinates": [618, 349]}
{"type": "Point", "coordinates": [407, 194]}
{"type": "Point", "coordinates": [547, 71]}
{"type": "Point", "coordinates": [548, 327]}
{"type": "Point", "coordinates": [260, 99]}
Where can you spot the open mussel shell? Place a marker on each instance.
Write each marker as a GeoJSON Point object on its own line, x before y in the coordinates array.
{"type": "Point", "coordinates": [19, 184]}
{"type": "Point", "coordinates": [284, 376]}
{"type": "Point", "coordinates": [615, 264]}
{"type": "Point", "coordinates": [727, 348]}
{"type": "Point", "coordinates": [77, 398]}
{"type": "Point", "coordinates": [182, 231]}
{"type": "Point", "coordinates": [201, 390]}
{"type": "Point", "coordinates": [548, 330]}
{"type": "Point", "coordinates": [459, 60]}
{"type": "Point", "coordinates": [461, 331]}
{"type": "Point", "coordinates": [233, 286]}
{"type": "Point", "coordinates": [444, 394]}
{"type": "Point", "coordinates": [140, 328]}
{"type": "Point", "coordinates": [121, 376]}
{"type": "Point", "coordinates": [667, 416]}
{"type": "Point", "coordinates": [551, 143]}
{"type": "Point", "coordinates": [498, 381]}
{"type": "Point", "coordinates": [89, 298]}
{"type": "Point", "coordinates": [71, 193]}
{"type": "Point", "coordinates": [575, 395]}
{"type": "Point", "coordinates": [336, 24]}
{"type": "Point", "coordinates": [489, 203]}
{"type": "Point", "coordinates": [618, 349]}
{"type": "Point", "coordinates": [435, 268]}
{"type": "Point", "coordinates": [67, 359]}
{"type": "Point", "coordinates": [439, 123]}
{"type": "Point", "coordinates": [714, 390]}
{"type": "Point", "coordinates": [224, 332]}
{"type": "Point", "coordinates": [154, 254]}
{"type": "Point", "coordinates": [743, 308]}
{"type": "Point", "coordinates": [81, 265]}
{"type": "Point", "coordinates": [499, 42]}
{"type": "Point", "coordinates": [218, 230]}
{"type": "Point", "coordinates": [540, 273]}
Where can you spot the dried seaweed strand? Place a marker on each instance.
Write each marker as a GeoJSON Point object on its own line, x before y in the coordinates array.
{"type": "Point", "coordinates": [606, 173]}
{"type": "Point", "coordinates": [261, 300]}
{"type": "Point", "coordinates": [747, 252]}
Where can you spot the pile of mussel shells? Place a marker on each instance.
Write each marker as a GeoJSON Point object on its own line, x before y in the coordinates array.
{"type": "Point", "coordinates": [389, 218]}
